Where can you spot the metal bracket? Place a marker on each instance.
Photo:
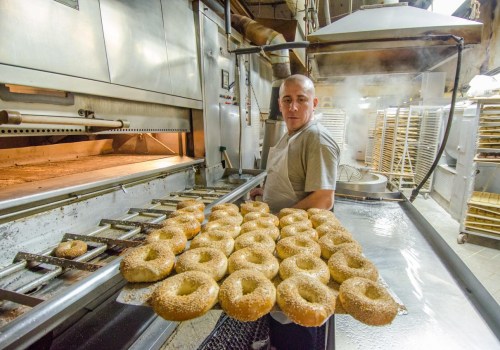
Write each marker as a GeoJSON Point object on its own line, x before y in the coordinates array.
{"type": "Point", "coordinates": [150, 211]}
{"type": "Point", "coordinates": [165, 201]}
{"type": "Point", "coordinates": [65, 263]}
{"type": "Point", "coordinates": [142, 225]}
{"type": "Point", "coordinates": [196, 195]}
{"type": "Point", "coordinates": [104, 240]}
{"type": "Point", "coordinates": [20, 298]}
{"type": "Point", "coordinates": [213, 188]}
{"type": "Point", "coordinates": [185, 194]}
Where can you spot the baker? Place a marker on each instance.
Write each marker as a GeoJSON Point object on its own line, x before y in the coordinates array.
{"type": "Point", "coordinates": [301, 173]}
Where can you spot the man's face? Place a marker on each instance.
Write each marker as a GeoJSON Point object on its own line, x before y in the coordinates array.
{"type": "Point", "coordinates": [297, 105]}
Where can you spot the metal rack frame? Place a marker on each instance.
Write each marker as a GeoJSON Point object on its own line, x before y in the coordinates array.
{"type": "Point", "coordinates": [334, 120]}
{"type": "Point", "coordinates": [405, 142]}
{"type": "Point", "coordinates": [486, 132]}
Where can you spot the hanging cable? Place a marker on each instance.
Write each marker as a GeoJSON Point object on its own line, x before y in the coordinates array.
{"type": "Point", "coordinates": [460, 48]}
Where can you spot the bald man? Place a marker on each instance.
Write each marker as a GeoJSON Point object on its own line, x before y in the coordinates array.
{"type": "Point", "coordinates": [302, 167]}
{"type": "Point", "coordinates": [301, 173]}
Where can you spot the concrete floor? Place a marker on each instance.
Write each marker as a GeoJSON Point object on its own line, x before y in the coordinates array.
{"type": "Point", "coordinates": [483, 261]}
{"type": "Point", "coordinates": [189, 335]}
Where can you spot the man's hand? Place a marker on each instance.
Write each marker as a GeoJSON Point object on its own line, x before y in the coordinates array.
{"type": "Point", "coordinates": [256, 192]}
{"type": "Point", "coordinates": [322, 199]}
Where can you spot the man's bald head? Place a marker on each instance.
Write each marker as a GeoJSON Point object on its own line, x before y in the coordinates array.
{"type": "Point", "coordinates": [300, 79]}
{"type": "Point", "coordinates": [297, 101]}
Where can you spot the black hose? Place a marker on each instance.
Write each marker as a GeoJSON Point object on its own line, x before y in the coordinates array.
{"type": "Point", "coordinates": [268, 48]}
{"type": "Point", "coordinates": [246, 50]}
{"type": "Point", "coordinates": [287, 45]}
{"type": "Point", "coordinates": [460, 47]}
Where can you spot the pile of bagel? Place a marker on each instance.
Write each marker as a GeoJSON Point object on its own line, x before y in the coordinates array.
{"type": "Point", "coordinates": [247, 260]}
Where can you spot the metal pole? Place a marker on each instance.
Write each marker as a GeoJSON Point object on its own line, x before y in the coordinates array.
{"type": "Point", "coordinates": [15, 118]}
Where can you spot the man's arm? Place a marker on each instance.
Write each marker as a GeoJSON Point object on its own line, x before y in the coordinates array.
{"type": "Point", "coordinates": [322, 199]}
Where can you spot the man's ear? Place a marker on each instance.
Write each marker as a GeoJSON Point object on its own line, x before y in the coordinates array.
{"type": "Point", "coordinates": [315, 102]}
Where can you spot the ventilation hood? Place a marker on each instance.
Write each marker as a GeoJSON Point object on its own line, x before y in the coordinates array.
{"type": "Point", "coordinates": [383, 39]}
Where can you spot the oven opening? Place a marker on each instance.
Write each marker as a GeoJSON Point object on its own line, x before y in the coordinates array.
{"type": "Point", "coordinates": [34, 164]}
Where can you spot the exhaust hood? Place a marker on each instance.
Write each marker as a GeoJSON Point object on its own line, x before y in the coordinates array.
{"type": "Point", "coordinates": [383, 39]}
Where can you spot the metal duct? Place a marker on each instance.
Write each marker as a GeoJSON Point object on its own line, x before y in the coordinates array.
{"type": "Point", "coordinates": [280, 60]}
{"type": "Point", "coordinates": [261, 35]}
{"type": "Point", "coordinates": [326, 10]}
{"type": "Point", "coordinates": [387, 39]}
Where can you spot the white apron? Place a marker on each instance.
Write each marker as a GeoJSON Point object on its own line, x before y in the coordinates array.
{"type": "Point", "coordinates": [278, 191]}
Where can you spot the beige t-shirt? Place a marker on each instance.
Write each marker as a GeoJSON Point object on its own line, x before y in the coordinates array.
{"type": "Point", "coordinates": [312, 159]}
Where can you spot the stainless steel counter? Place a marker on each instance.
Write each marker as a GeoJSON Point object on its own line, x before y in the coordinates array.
{"type": "Point", "coordinates": [441, 312]}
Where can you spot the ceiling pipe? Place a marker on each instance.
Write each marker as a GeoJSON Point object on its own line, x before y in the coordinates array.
{"type": "Point", "coordinates": [16, 118]}
{"type": "Point", "coordinates": [326, 11]}
{"type": "Point", "coordinates": [280, 59]}
{"type": "Point", "coordinates": [215, 6]}
{"type": "Point", "coordinates": [276, 48]}
{"type": "Point", "coordinates": [227, 21]}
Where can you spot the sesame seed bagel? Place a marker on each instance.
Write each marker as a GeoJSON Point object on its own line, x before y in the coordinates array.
{"type": "Point", "coordinates": [226, 206]}
{"type": "Point", "coordinates": [256, 239]}
{"type": "Point", "coordinates": [174, 237]}
{"type": "Point", "coordinates": [305, 264]}
{"type": "Point", "coordinates": [332, 243]}
{"type": "Point", "coordinates": [147, 263]}
{"type": "Point", "coordinates": [208, 260]}
{"type": "Point", "coordinates": [294, 219]}
{"type": "Point", "coordinates": [299, 229]}
{"type": "Point", "coordinates": [367, 301]}
{"type": "Point", "coordinates": [247, 295]}
{"type": "Point", "coordinates": [287, 211]}
{"type": "Point", "coordinates": [254, 215]}
{"type": "Point", "coordinates": [314, 211]}
{"type": "Point", "coordinates": [185, 296]}
{"type": "Point", "coordinates": [198, 215]}
{"type": "Point", "coordinates": [289, 246]}
{"type": "Point", "coordinates": [198, 204]}
{"type": "Point", "coordinates": [223, 225]}
{"type": "Point", "coordinates": [346, 264]}
{"type": "Point", "coordinates": [305, 300]}
{"type": "Point", "coordinates": [331, 227]}
{"type": "Point", "coordinates": [188, 223]}
{"type": "Point", "coordinates": [251, 206]}
{"type": "Point", "coordinates": [254, 259]}
{"type": "Point", "coordinates": [261, 224]}
{"type": "Point", "coordinates": [318, 219]}
{"type": "Point", "coordinates": [71, 249]}
{"type": "Point", "coordinates": [217, 239]}
{"type": "Point", "coordinates": [228, 215]}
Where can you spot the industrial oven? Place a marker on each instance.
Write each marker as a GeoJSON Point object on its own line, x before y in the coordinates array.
{"type": "Point", "coordinates": [108, 117]}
